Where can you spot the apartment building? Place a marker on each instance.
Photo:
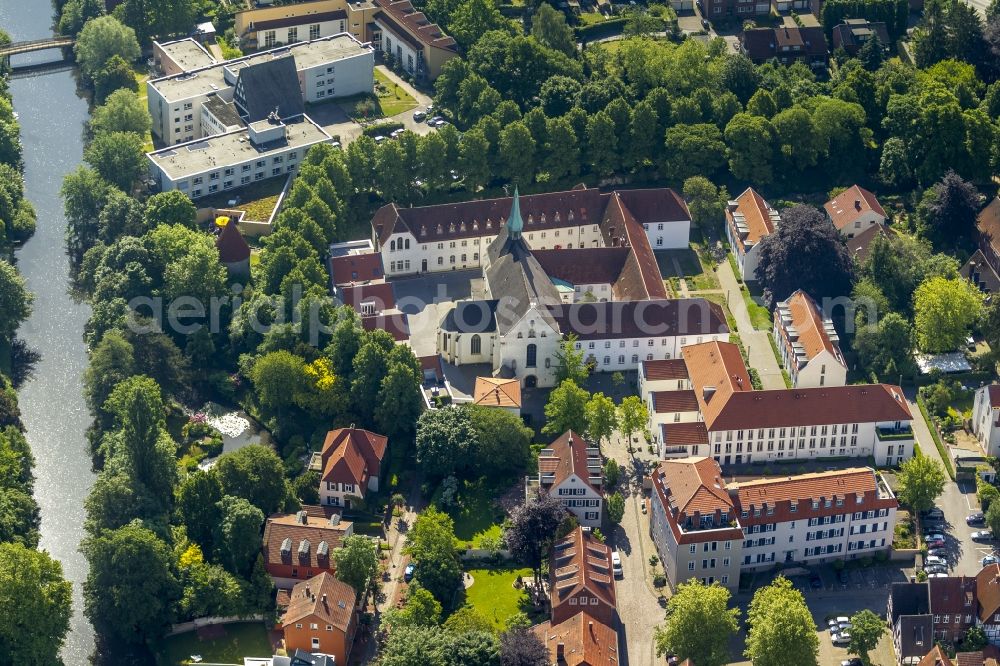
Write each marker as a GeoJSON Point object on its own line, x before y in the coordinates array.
{"type": "Point", "coordinates": [297, 546]}
{"type": "Point", "coordinates": [748, 220]}
{"type": "Point", "coordinates": [735, 424]}
{"type": "Point", "coordinates": [709, 530]}
{"type": "Point", "coordinates": [854, 211]}
{"type": "Point", "coordinates": [572, 470]}
{"type": "Point", "coordinates": [325, 68]}
{"type": "Point", "coordinates": [808, 343]}
{"type": "Point", "coordinates": [986, 418]}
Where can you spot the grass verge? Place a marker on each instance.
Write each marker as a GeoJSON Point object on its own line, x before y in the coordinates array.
{"type": "Point", "coordinates": [942, 451]}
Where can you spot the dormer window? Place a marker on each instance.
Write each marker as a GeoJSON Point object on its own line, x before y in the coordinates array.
{"type": "Point", "coordinates": [475, 225]}
{"type": "Point", "coordinates": [569, 216]}
{"type": "Point", "coordinates": [556, 218]}
{"type": "Point", "coordinates": [531, 219]}
{"type": "Point", "coordinates": [440, 229]}
{"type": "Point", "coordinates": [451, 228]}
{"type": "Point", "coordinates": [462, 227]}
{"type": "Point", "coordinates": [423, 230]}
{"type": "Point", "coordinates": [542, 218]}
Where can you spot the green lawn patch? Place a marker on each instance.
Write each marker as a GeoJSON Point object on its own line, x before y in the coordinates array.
{"type": "Point", "coordinates": [257, 199]}
{"type": "Point", "coordinates": [699, 276]}
{"type": "Point", "coordinates": [493, 594]}
{"type": "Point", "coordinates": [475, 515]}
{"type": "Point", "coordinates": [244, 639]}
{"type": "Point", "coordinates": [942, 450]}
{"type": "Point", "coordinates": [720, 299]}
{"type": "Point", "coordinates": [760, 317]}
{"type": "Point", "coordinates": [591, 18]}
{"type": "Point", "coordinates": [392, 98]}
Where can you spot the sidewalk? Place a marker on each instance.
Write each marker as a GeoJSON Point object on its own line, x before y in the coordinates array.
{"type": "Point", "coordinates": [757, 344]}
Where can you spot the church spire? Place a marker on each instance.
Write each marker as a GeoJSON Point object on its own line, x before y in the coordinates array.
{"type": "Point", "coordinates": [515, 225]}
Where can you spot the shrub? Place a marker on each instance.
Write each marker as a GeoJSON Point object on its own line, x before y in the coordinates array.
{"type": "Point", "coordinates": [659, 580]}
{"type": "Point", "coordinates": [383, 129]}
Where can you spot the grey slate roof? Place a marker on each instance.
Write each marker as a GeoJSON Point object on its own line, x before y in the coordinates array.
{"type": "Point", "coordinates": [265, 86]}
{"type": "Point", "coordinates": [517, 280]}
{"type": "Point", "coordinates": [471, 317]}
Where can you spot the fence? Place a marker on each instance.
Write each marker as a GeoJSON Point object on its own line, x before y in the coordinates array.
{"type": "Point", "coordinates": [198, 623]}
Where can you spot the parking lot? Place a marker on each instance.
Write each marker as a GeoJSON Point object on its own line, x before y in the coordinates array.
{"type": "Point", "coordinates": [962, 553]}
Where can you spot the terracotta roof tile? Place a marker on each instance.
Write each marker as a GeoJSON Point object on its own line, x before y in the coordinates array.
{"type": "Point", "coordinates": [232, 246]}
{"type": "Point", "coordinates": [586, 265]}
{"type": "Point", "coordinates": [585, 641]}
{"type": "Point", "coordinates": [717, 371]}
{"type": "Point", "coordinates": [571, 454]}
{"type": "Point", "coordinates": [684, 434]}
{"type": "Point", "coordinates": [665, 402]}
{"type": "Point", "coordinates": [850, 204]}
{"type": "Point", "coordinates": [695, 485]}
{"type": "Point", "coordinates": [397, 324]}
{"type": "Point", "coordinates": [936, 657]}
{"type": "Point", "coordinates": [860, 245]}
{"type": "Point", "coordinates": [953, 595]}
{"type": "Point", "coordinates": [756, 214]}
{"type": "Point", "coordinates": [635, 319]}
{"type": "Point", "coordinates": [324, 598]}
{"type": "Point", "coordinates": [380, 294]}
{"type": "Point", "coordinates": [416, 24]}
{"type": "Point", "coordinates": [581, 562]}
{"type": "Point", "coordinates": [351, 268]}
{"type": "Point", "coordinates": [661, 369]}
{"type": "Point", "coordinates": [351, 455]}
{"type": "Point", "coordinates": [988, 223]}
{"type": "Point", "coordinates": [313, 524]}
{"type": "Point", "coordinates": [807, 320]}
{"type": "Point", "coordinates": [497, 392]}
{"type": "Point", "coordinates": [620, 227]}
{"type": "Point", "coordinates": [988, 591]}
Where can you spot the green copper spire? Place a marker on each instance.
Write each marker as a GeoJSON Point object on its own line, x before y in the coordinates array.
{"type": "Point", "coordinates": [515, 225]}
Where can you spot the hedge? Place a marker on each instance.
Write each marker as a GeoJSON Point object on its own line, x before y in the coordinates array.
{"type": "Point", "coordinates": [585, 33]}
{"type": "Point", "coordinates": [381, 128]}
{"type": "Point", "coordinates": [937, 439]}
{"type": "Point", "coordinates": [511, 11]}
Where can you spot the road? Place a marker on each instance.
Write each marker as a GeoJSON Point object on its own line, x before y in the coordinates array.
{"type": "Point", "coordinates": [757, 343]}
{"type": "Point", "coordinates": [638, 608]}
{"type": "Point", "coordinates": [957, 501]}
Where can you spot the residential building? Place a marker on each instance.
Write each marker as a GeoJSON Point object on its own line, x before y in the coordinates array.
{"type": "Point", "coordinates": [953, 606]}
{"type": "Point", "coordinates": [418, 46]}
{"type": "Point", "coordinates": [349, 464]}
{"type": "Point", "coordinates": [980, 272]}
{"type": "Point", "coordinates": [321, 617]}
{"type": "Point", "coordinates": [581, 579]}
{"type": "Point", "coordinates": [988, 228]}
{"type": "Point", "coordinates": [715, 10]}
{"type": "Point", "coordinates": [498, 393]}
{"type": "Point", "coordinates": [808, 344]}
{"type": "Point", "coordinates": [268, 148]}
{"type": "Point", "coordinates": [748, 220]}
{"type": "Point", "coordinates": [988, 598]}
{"type": "Point", "coordinates": [786, 44]}
{"type": "Point", "coordinates": [297, 546]}
{"type": "Point", "coordinates": [572, 471]}
{"type": "Point", "coordinates": [815, 518]}
{"type": "Point", "coordinates": [852, 34]}
{"type": "Point", "coordinates": [709, 530]}
{"type": "Point", "coordinates": [359, 281]}
{"type": "Point", "coordinates": [854, 211]}
{"type": "Point", "coordinates": [180, 56]}
{"type": "Point", "coordinates": [986, 418]}
{"type": "Point", "coordinates": [694, 525]}
{"type": "Point", "coordinates": [741, 425]}
{"type": "Point", "coordinates": [910, 621]}
{"type": "Point", "coordinates": [457, 236]}
{"type": "Point", "coordinates": [519, 326]}
{"type": "Point", "coordinates": [859, 246]}
{"type": "Point", "coordinates": [581, 640]}
{"type": "Point", "coordinates": [325, 68]}
{"type": "Point", "coordinates": [988, 656]}
{"type": "Point", "coordinates": [268, 27]}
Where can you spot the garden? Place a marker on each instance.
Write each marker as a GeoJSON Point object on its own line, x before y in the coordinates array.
{"type": "Point", "coordinates": [390, 99]}
{"type": "Point", "coordinates": [498, 593]}
{"type": "Point", "coordinates": [258, 200]}
{"type": "Point", "coordinates": [220, 644]}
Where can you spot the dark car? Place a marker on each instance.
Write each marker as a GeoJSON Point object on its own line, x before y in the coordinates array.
{"type": "Point", "coordinates": [815, 581]}
{"type": "Point", "coordinates": [976, 518]}
{"type": "Point", "coordinates": [934, 514]}
{"type": "Point", "coordinates": [705, 24]}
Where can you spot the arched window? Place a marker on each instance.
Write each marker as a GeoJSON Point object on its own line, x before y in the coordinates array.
{"type": "Point", "coordinates": [407, 243]}
{"type": "Point", "coordinates": [476, 345]}
{"type": "Point", "coordinates": [392, 246]}
{"type": "Point", "coordinates": [532, 356]}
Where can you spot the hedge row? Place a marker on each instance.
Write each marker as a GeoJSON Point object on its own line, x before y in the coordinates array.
{"type": "Point", "coordinates": [381, 128]}
{"type": "Point", "coordinates": [594, 31]}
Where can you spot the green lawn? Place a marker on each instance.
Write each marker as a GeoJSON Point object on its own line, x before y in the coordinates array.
{"type": "Point", "coordinates": [246, 639]}
{"type": "Point", "coordinates": [475, 516]}
{"type": "Point", "coordinates": [721, 300]}
{"type": "Point", "coordinates": [699, 277]}
{"type": "Point", "coordinates": [493, 594]}
{"type": "Point", "coordinates": [394, 100]}
{"type": "Point", "coordinates": [591, 18]}
{"type": "Point", "coordinates": [760, 317]}
{"type": "Point", "coordinates": [257, 199]}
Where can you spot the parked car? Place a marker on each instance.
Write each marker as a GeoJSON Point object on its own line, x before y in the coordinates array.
{"type": "Point", "coordinates": [395, 133]}
{"type": "Point", "coordinates": [853, 661]}
{"type": "Point", "coordinates": [843, 619]}
{"type": "Point", "coordinates": [616, 564]}
{"type": "Point", "coordinates": [408, 572]}
{"type": "Point", "coordinates": [705, 24]}
{"type": "Point", "coordinates": [841, 638]}
{"type": "Point", "coordinates": [936, 569]}
{"type": "Point", "coordinates": [939, 552]}
{"type": "Point", "coordinates": [939, 543]}
{"type": "Point", "coordinates": [977, 518]}
{"type": "Point", "coordinates": [833, 625]}
{"type": "Point", "coordinates": [419, 116]}
{"type": "Point", "coordinates": [982, 535]}
{"type": "Point", "coordinates": [933, 537]}
{"type": "Point", "coordinates": [935, 560]}
{"type": "Point", "coordinates": [815, 581]}
{"type": "Point", "coordinates": [937, 575]}
{"type": "Point", "coordinates": [379, 139]}
{"type": "Point", "coordinates": [990, 559]}
{"type": "Point", "coordinates": [934, 514]}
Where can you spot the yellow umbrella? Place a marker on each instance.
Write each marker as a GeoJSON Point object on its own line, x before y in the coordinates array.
{"type": "Point", "coordinates": [221, 221]}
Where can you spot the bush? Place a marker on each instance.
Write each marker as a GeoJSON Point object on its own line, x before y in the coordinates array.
{"type": "Point", "coordinates": [659, 580]}
{"type": "Point", "coordinates": [599, 30]}
{"type": "Point", "coordinates": [383, 129]}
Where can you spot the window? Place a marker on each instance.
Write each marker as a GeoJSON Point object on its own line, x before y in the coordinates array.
{"type": "Point", "coordinates": [691, 566]}
{"type": "Point", "coordinates": [692, 548]}
{"type": "Point", "coordinates": [293, 35]}
{"type": "Point", "coordinates": [270, 39]}
{"type": "Point", "coordinates": [314, 31]}
{"type": "Point", "coordinates": [531, 358]}
{"type": "Point", "coordinates": [476, 345]}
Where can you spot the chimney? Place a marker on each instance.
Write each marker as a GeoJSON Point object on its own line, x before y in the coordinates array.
{"type": "Point", "coordinates": [590, 625]}
{"type": "Point", "coordinates": [324, 598]}
{"type": "Point", "coordinates": [857, 204]}
{"type": "Point", "coordinates": [560, 651]}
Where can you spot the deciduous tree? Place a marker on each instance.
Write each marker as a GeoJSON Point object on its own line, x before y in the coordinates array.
{"type": "Point", "coordinates": [921, 480]}
{"type": "Point", "coordinates": [431, 545]}
{"type": "Point", "coordinates": [945, 311]}
{"type": "Point", "coordinates": [357, 563]}
{"type": "Point", "coordinates": [566, 409]}
{"type": "Point", "coordinates": [35, 603]}
{"type": "Point", "coordinates": [782, 631]}
{"type": "Point", "coordinates": [532, 529]}
{"type": "Point", "coordinates": [699, 624]}
{"type": "Point", "coordinates": [866, 630]}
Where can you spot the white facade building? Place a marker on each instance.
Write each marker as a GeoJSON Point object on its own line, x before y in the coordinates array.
{"type": "Point", "coordinates": [986, 418]}
{"type": "Point", "coordinates": [854, 211]}
{"type": "Point", "coordinates": [748, 220]}
{"type": "Point", "coordinates": [808, 343]}
{"type": "Point", "coordinates": [572, 470]}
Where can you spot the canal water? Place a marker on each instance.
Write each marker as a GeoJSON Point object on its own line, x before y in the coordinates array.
{"type": "Point", "coordinates": [52, 117]}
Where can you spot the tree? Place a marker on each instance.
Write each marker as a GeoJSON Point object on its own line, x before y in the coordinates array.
{"type": "Point", "coordinates": [172, 207]}
{"type": "Point", "coordinates": [570, 362]}
{"type": "Point", "coordinates": [130, 586]}
{"type": "Point", "coordinates": [517, 154]}
{"type": "Point", "coordinates": [739, 76]}
{"type": "Point", "coordinates": [945, 311]}
{"type": "Point", "coordinates": [197, 505]}
{"type": "Point", "coordinates": [603, 151]}
{"type": "Point", "coordinates": [872, 53]}
{"type": "Point", "coordinates": [566, 409]}
{"type": "Point", "coordinates": [102, 38]}
{"type": "Point", "coordinates": [947, 211]}
{"type": "Point", "coordinates": [894, 168]}
{"type": "Point", "coordinates": [699, 624]}
{"type": "Point", "coordinates": [83, 193]}
{"type": "Point", "coordinates": [866, 631]}
{"type": "Point", "coordinates": [445, 438]}
{"type": "Point", "coordinates": [558, 95]}
{"type": "Point", "coordinates": [805, 252]}
{"type": "Point", "coordinates": [75, 13]}
{"type": "Point", "coordinates": [751, 147]}
{"type": "Point", "coordinates": [548, 26]}
{"type": "Point", "coordinates": [420, 609]}
{"type": "Point", "coordinates": [36, 604]}
{"type": "Point", "coordinates": [431, 545]}
{"type": "Point", "coordinates": [975, 640]}
{"type": "Point", "coordinates": [616, 507]}
{"type": "Point", "coordinates": [503, 442]}
{"type": "Point", "coordinates": [797, 140]}
{"type": "Point", "coordinates": [693, 150]}
{"type": "Point", "coordinates": [474, 18]}
{"type": "Point", "coordinates": [467, 619]}
{"type": "Point", "coordinates": [357, 563]}
{"type": "Point", "coordinates": [115, 75]}
{"type": "Point", "coordinates": [632, 417]}
{"type": "Point", "coordinates": [886, 348]}
{"type": "Point", "coordinates": [706, 202]}
{"type": "Point", "coordinates": [254, 473]}
{"type": "Point", "coordinates": [520, 646]}
{"type": "Point", "coordinates": [992, 517]}
{"type": "Point", "coordinates": [399, 400]}
{"type": "Point", "coordinates": [237, 534]}
{"type": "Point", "coordinates": [15, 300]}
{"type": "Point", "coordinates": [782, 631]}
{"type": "Point", "coordinates": [122, 111]}
{"type": "Point", "coordinates": [118, 157]}
{"type": "Point", "coordinates": [277, 378]}
{"type": "Point", "coordinates": [921, 480]}
{"type": "Point", "coordinates": [532, 529]}
{"type": "Point", "coordinates": [473, 163]}
{"type": "Point", "coordinates": [602, 418]}
{"type": "Point", "coordinates": [612, 472]}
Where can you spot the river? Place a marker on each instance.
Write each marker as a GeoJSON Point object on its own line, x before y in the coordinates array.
{"type": "Point", "coordinates": [52, 120]}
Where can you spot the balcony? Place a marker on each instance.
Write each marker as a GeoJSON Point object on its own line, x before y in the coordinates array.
{"type": "Point", "coordinates": [894, 434]}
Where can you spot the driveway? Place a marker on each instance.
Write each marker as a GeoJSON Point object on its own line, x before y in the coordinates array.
{"type": "Point", "coordinates": [757, 343]}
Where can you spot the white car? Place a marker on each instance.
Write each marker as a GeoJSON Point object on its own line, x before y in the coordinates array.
{"type": "Point", "coordinates": [843, 619]}
{"type": "Point", "coordinates": [616, 564]}
{"type": "Point", "coordinates": [841, 638]}
{"type": "Point", "coordinates": [931, 560]}
{"type": "Point", "coordinates": [982, 535]}
{"type": "Point", "coordinates": [990, 559]}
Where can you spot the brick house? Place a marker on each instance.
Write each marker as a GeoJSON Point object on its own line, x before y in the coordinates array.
{"type": "Point", "coordinates": [581, 579]}
{"type": "Point", "coordinates": [349, 464]}
{"type": "Point", "coordinates": [321, 617]}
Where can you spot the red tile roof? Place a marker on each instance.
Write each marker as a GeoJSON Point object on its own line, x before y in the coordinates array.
{"type": "Point", "coordinates": [688, 317]}
{"type": "Point", "coordinates": [860, 245]}
{"type": "Point", "coordinates": [396, 324]}
{"type": "Point", "coordinates": [620, 227]}
{"type": "Point", "coordinates": [348, 453]}
{"type": "Point", "coordinates": [666, 402]}
{"type": "Point", "coordinates": [569, 455]}
{"type": "Point", "coordinates": [671, 368]}
{"type": "Point", "coordinates": [756, 215]}
{"type": "Point", "coordinates": [314, 524]}
{"type": "Point", "coordinates": [232, 246]}
{"type": "Point", "coordinates": [380, 294]}
{"type": "Point", "coordinates": [403, 14]}
{"type": "Point", "coordinates": [351, 268]}
{"type": "Point", "coordinates": [684, 434]}
{"type": "Point", "coordinates": [994, 395]}
{"type": "Point", "coordinates": [322, 599]}
{"type": "Point", "coordinates": [936, 657]}
{"type": "Point", "coordinates": [584, 265]}
{"type": "Point", "coordinates": [988, 223]}
{"type": "Point", "coordinates": [808, 321]}
{"type": "Point", "coordinates": [850, 204]}
{"type": "Point", "coordinates": [497, 392]}
{"type": "Point", "coordinates": [717, 371]}
{"type": "Point", "coordinates": [582, 640]}
{"type": "Point", "coordinates": [685, 486]}
{"type": "Point", "coordinates": [988, 591]}
{"type": "Point", "coordinates": [953, 595]}
{"type": "Point", "coordinates": [579, 562]}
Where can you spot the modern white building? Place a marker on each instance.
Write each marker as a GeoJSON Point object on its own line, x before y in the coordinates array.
{"type": "Point", "coordinates": [572, 470]}
{"type": "Point", "coordinates": [808, 343]}
{"type": "Point", "coordinates": [986, 418]}
{"type": "Point", "coordinates": [854, 211]}
{"type": "Point", "coordinates": [735, 424]}
{"type": "Point", "coordinates": [265, 149]}
{"type": "Point", "coordinates": [748, 220]}
{"type": "Point", "coordinates": [325, 68]}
